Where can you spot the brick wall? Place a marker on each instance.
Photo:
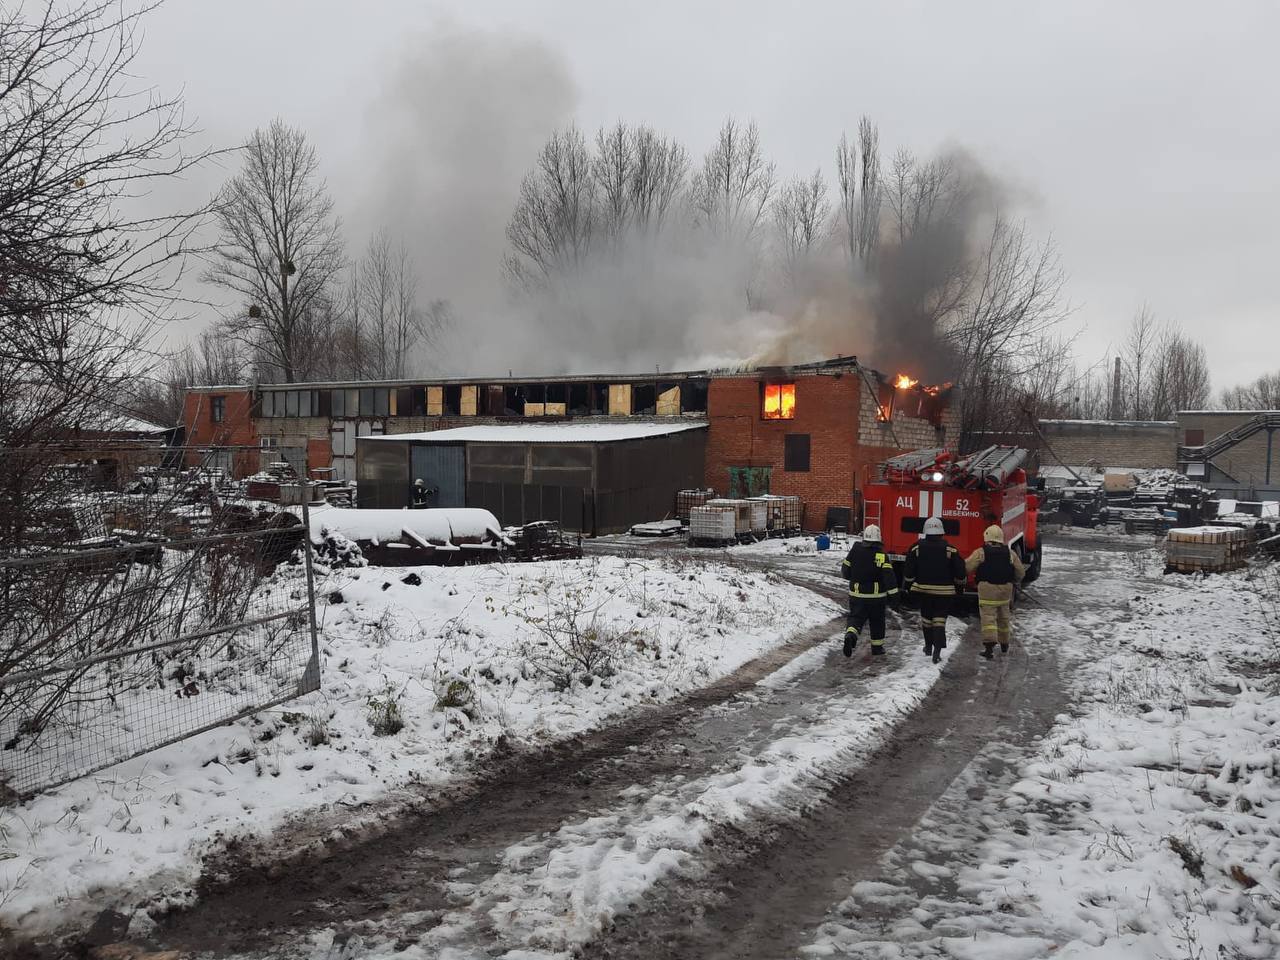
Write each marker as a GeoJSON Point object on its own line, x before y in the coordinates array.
{"type": "Point", "coordinates": [837, 413]}
{"type": "Point", "coordinates": [1247, 460]}
{"type": "Point", "coordinates": [235, 430]}
{"type": "Point", "coordinates": [1110, 443]}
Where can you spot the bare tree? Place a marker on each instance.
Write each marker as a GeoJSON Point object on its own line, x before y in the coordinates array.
{"type": "Point", "coordinates": [1179, 377]}
{"type": "Point", "coordinates": [1002, 332]}
{"type": "Point", "coordinates": [1261, 394]}
{"type": "Point", "coordinates": [1138, 355]}
{"type": "Point", "coordinates": [377, 298]}
{"type": "Point", "coordinates": [613, 169]}
{"type": "Point", "coordinates": [85, 275]}
{"type": "Point", "coordinates": [407, 323]}
{"type": "Point", "coordinates": [281, 246]}
{"type": "Point", "coordinates": [858, 175]}
{"type": "Point", "coordinates": [802, 221]}
{"type": "Point", "coordinates": [733, 188]}
{"type": "Point", "coordinates": [658, 176]}
{"type": "Point", "coordinates": [551, 229]}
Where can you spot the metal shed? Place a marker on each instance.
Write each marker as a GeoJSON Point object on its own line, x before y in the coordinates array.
{"type": "Point", "coordinates": [595, 478]}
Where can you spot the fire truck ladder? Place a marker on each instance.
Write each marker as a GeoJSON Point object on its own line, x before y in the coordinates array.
{"type": "Point", "coordinates": [988, 468]}
{"type": "Point", "coordinates": [908, 466]}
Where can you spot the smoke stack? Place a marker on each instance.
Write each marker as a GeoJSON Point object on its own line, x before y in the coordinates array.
{"type": "Point", "coordinates": [1115, 392]}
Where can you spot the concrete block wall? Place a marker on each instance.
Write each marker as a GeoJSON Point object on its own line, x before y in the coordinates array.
{"type": "Point", "coordinates": [1247, 460]}
{"type": "Point", "coordinates": [1110, 443]}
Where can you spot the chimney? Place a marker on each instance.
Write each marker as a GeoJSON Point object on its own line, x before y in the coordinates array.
{"type": "Point", "coordinates": [1115, 392]}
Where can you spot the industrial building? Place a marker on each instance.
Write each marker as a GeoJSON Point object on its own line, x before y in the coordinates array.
{"type": "Point", "coordinates": [813, 430]}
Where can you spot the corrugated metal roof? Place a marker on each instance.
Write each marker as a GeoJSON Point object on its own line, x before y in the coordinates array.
{"type": "Point", "coordinates": [545, 433]}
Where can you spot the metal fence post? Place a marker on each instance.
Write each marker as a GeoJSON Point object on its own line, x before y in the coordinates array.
{"type": "Point", "coordinates": [311, 678]}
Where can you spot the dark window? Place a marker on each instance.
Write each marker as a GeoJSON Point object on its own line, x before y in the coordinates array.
{"type": "Point", "coordinates": [1193, 438]}
{"type": "Point", "coordinates": [218, 409]}
{"type": "Point", "coordinates": [304, 403]}
{"type": "Point", "coordinates": [580, 399]}
{"type": "Point", "coordinates": [353, 403]}
{"type": "Point", "coordinates": [644, 399]}
{"type": "Point", "coordinates": [338, 403]}
{"type": "Point", "coordinates": [291, 403]}
{"type": "Point", "coordinates": [535, 393]}
{"type": "Point", "coordinates": [513, 400]}
{"type": "Point", "coordinates": [916, 525]}
{"type": "Point", "coordinates": [693, 396]}
{"type": "Point", "coordinates": [404, 402]}
{"type": "Point", "coordinates": [382, 402]}
{"type": "Point", "coordinates": [453, 400]}
{"type": "Point", "coordinates": [417, 401]}
{"type": "Point", "coordinates": [366, 401]}
{"type": "Point", "coordinates": [795, 457]}
{"type": "Point", "coordinates": [268, 405]}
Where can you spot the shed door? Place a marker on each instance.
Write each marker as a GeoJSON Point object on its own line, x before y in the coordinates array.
{"type": "Point", "coordinates": [442, 468]}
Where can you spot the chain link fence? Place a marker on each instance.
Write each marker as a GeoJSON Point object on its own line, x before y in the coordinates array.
{"type": "Point", "coordinates": [133, 616]}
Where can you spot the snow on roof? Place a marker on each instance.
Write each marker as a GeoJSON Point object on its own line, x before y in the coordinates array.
{"type": "Point", "coordinates": [441, 527]}
{"type": "Point", "coordinates": [547, 432]}
{"type": "Point", "coordinates": [1111, 423]}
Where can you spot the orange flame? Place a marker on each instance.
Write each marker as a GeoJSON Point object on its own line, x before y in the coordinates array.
{"type": "Point", "coordinates": [780, 401]}
{"type": "Point", "coordinates": [904, 382]}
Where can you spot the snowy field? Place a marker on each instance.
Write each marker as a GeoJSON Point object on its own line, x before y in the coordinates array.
{"type": "Point", "coordinates": [1145, 825]}
{"type": "Point", "coordinates": [424, 670]}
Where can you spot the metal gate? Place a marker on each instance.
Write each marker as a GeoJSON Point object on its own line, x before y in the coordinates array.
{"type": "Point", "coordinates": [443, 469]}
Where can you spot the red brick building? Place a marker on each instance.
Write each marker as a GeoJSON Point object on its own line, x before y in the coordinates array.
{"type": "Point", "coordinates": [811, 430]}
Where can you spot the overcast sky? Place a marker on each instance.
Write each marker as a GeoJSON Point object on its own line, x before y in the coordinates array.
{"type": "Point", "coordinates": [1144, 136]}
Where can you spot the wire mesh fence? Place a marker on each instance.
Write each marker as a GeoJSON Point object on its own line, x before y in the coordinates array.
{"type": "Point", "coordinates": [139, 612]}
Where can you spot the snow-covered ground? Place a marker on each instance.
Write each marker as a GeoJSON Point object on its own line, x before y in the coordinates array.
{"type": "Point", "coordinates": [1145, 825]}
{"type": "Point", "coordinates": [444, 661]}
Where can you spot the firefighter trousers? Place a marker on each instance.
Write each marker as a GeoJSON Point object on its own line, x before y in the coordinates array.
{"type": "Point", "coordinates": [997, 621]}
{"type": "Point", "coordinates": [864, 611]}
{"type": "Point", "coordinates": [933, 618]}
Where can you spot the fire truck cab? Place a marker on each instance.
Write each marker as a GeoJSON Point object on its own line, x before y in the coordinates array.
{"type": "Point", "coordinates": [968, 494]}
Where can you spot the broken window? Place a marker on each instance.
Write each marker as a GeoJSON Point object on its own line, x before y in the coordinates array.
{"type": "Point", "coordinates": [795, 454]}
{"type": "Point", "coordinates": [404, 402]}
{"type": "Point", "coordinates": [779, 401]}
{"type": "Point", "coordinates": [668, 404]}
{"type": "Point", "coordinates": [218, 409]}
{"type": "Point", "coordinates": [693, 396]}
{"type": "Point", "coordinates": [557, 400]}
{"type": "Point", "coordinates": [453, 400]}
{"type": "Point", "coordinates": [644, 399]}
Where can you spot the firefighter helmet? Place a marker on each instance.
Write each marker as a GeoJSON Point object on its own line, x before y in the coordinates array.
{"type": "Point", "coordinates": [872, 533]}
{"type": "Point", "coordinates": [993, 534]}
{"type": "Point", "coordinates": [933, 527]}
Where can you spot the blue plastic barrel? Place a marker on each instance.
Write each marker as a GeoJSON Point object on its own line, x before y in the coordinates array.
{"type": "Point", "coordinates": [824, 542]}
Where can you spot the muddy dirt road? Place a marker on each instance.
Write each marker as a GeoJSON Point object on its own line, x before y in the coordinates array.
{"type": "Point", "coordinates": [728, 824]}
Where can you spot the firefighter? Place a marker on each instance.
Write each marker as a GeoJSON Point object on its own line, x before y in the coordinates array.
{"type": "Point", "coordinates": [999, 573]}
{"type": "Point", "coordinates": [934, 573]}
{"type": "Point", "coordinates": [871, 583]}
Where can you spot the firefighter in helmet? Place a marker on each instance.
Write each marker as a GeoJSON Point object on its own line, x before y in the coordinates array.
{"type": "Point", "coordinates": [934, 573]}
{"type": "Point", "coordinates": [999, 572]}
{"type": "Point", "coordinates": [871, 583]}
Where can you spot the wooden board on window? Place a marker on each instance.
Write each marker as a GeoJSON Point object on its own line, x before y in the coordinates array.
{"type": "Point", "coordinates": [470, 398]}
{"type": "Point", "coordinates": [669, 403]}
{"type": "Point", "coordinates": [555, 409]}
{"type": "Point", "coordinates": [619, 399]}
{"type": "Point", "coordinates": [534, 409]}
{"type": "Point", "coordinates": [435, 401]}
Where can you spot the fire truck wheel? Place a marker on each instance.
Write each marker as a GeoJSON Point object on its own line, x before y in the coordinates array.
{"type": "Point", "coordinates": [1032, 563]}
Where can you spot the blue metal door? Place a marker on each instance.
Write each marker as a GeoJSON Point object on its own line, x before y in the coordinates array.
{"type": "Point", "coordinates": [442, 468]}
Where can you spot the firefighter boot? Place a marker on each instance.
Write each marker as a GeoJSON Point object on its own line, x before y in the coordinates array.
{"type": "Point", "coordinates": [1004, 646]}
{"type": "Point", "coordinates": [986, 651]}
{"type": "Point", "coordinates": [928, 640]}
{"type": "Point", "coordinates": [939, 641]}
{"type": "Point", "coordinates": [850, 641]}
{"type": "Point", "coordinates": [877, 649]}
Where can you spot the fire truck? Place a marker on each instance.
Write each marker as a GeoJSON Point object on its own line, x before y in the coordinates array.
{"type": "Point", "coordinates": [967, 494]}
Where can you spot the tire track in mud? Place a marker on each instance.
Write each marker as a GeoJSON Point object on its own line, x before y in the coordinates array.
{"type": "Point", "coordinates": [407, 869]}
{"type": "Point", "coordinates": [766, 895]}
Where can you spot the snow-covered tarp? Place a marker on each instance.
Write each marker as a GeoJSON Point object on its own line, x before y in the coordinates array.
{"type": "Point", "coordinates": [546, 432]}
{"type": "Point", "coordinates": [444, 527]}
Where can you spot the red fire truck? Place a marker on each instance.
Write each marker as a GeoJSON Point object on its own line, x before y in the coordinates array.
{"type": "Point", "coordinates": [968, 494]}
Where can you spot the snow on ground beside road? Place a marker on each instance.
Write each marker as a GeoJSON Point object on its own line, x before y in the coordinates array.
{"type": "Point", "coordinates": [467, 656]}
{"type": "Point", "coordinates": [1144, 825]}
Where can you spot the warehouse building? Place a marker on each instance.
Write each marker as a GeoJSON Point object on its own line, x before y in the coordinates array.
{"type": "Point", "coordinates": [816, 430]}
{"type": "Point", "coordinates": [595, 478]}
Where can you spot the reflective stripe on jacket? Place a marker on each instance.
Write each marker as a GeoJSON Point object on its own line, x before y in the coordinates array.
{"type": "Point", "coordinates": [934, 567]}
{"type": "Point", "coordinates": [869, 572]}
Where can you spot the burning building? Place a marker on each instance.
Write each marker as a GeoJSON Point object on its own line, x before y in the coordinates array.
{"type": "Point", "coordinates": [815, 430]}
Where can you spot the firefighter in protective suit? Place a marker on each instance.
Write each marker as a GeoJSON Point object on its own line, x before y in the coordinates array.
{"type": "Point", "coordinates": [999, 572]}
{"type": "Point", "coordinates": [934, 574]}
{"type": "Point", "coordinates": [871, 583]}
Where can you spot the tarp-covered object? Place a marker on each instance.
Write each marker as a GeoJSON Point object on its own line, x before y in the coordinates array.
{"type": "Point", "coordinates": [443, 528]}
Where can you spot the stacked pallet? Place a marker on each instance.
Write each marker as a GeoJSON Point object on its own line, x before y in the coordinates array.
{"type": "Point", "coordinates": [1206, 549]}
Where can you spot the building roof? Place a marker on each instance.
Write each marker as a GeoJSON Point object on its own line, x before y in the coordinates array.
{"type": "Point", "coordinates": [746, 370]}
{"type": "Point", "coordinates": [574, 432]}
{"type": "Point", "coordinates": [1111, 423]}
